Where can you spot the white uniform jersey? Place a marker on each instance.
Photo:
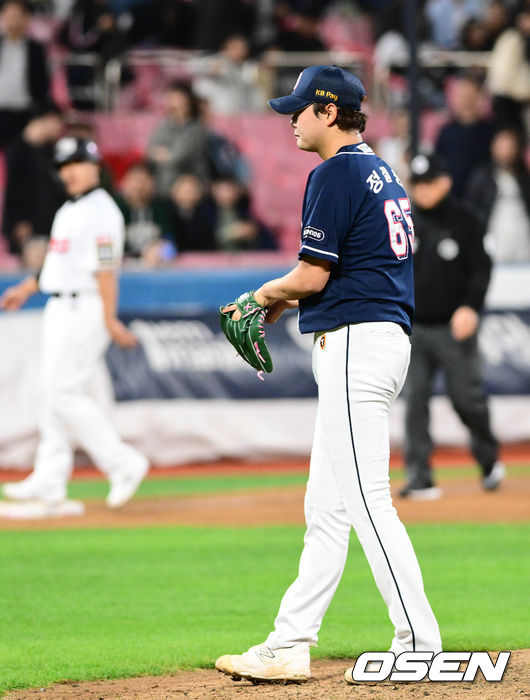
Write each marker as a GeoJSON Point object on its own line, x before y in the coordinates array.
{"type": "Point", "coordinates": [87, 236]}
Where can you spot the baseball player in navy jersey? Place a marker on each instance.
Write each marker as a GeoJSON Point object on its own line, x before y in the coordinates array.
{"type": "Point", "coordinates": [80, 275]}
{"type": "Point", "coordinates": [354, 288]}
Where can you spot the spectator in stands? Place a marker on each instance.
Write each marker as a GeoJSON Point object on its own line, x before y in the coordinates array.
{"type": "Point", "coordinates": [497, 19]}
{"type": "Point", "coordinates": [465, 141]}
{"type": "Point", "coordinates": [509, 73]}
{"type": "Point", "coordinates": [475, 36]}
{"type": "Point", "coordinates": [451, 277]}
{"type": "Point", "coordinates": [500, 193]}
{"type": "Point", "coordinates": [481, 33]}
{"type": "Point", "coordinates": [33, 192]}
{"type": "Point", "coordinates": [229, 81]}
{"type": "Point", "coordinates": [395, 148]}
{"type": "Point", "coordinates": [215, 21]}
{"type": "Point", "coordinates": [90, 28]}
{"type": "Point", "coordinates": [180, 143]}
{"type": "Point", "coordinates": [171, 21]}
{"type": "Point", "coordinates": [224, 157]}
{"type": "Point", "coordinates": [148, 218]}
{"type": "Point", "coordinates": [194, 215]}
{"type": "Point", "coordinates": [447, 19]}
{"type": "Point", "coordinates": [392, 55]}
{"type": "Point", "coordinates": [23, 70]}
{"type": "Point", "coordinates": [235, 227]}
{"type": "Point", "coordinates": [302, 34]}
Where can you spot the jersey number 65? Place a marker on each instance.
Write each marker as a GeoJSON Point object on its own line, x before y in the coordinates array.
{"type": "Point", "coordinates": [398, 213]}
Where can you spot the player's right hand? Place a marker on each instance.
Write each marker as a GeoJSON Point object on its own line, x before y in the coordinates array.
{"type": "Point", "coordinates": [120, 334]}
{"type": "Point", "coordinates": [13, 298]}
{"type": "Point", "coordinates": [276, 310]}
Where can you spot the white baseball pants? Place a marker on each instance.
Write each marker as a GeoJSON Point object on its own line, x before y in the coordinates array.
{"type": "Point", "coordinates": [360, 369]}
{"type": "Point", "coordinates": [74, 338]}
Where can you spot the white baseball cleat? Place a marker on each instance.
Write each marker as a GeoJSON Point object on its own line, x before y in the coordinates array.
{"type": "Point", "coordinates": [35, 510]}
{"type": "Point", "coordinates": [124, 484]}
{"type": "Point", "coordinates": [494, 478]}
{"type": "Point", "coordinates": [371, 667]}
{"type": "Point", "coordinates": [429, 493]}
{"type": "Point", "coordinates": [34, 488]}
{"type": "Point", "coordinates": [261, 663]}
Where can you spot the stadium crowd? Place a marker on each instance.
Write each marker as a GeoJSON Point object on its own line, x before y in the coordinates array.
{"type": "Point", "coordinates": [191, 188]}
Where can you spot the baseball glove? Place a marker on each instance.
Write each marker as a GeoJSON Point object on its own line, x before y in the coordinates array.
{"type": "Point", "coordinates": [247, 334]}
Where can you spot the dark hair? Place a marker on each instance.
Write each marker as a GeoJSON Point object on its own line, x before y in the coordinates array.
{"type": "Point", "coordinates": [348, 119]}
{"type": "Point", "coordinates": [186, 89]}
{"type": "Point", "coordinates": [519, 163]}
{"type": "Point", "coordinates": [24, 5]}
{"type": "Point", "coordinates": [143, 165]}
{"type": "Point", "coordinates": [472, 77]}
{"type": "Point", "coordinates": [45, 108]}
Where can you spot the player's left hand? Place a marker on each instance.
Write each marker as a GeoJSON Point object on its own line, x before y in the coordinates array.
{"type": "Point", "coordinates": [120, 334]}
{"type": "Point", "coordinates": [246, 333]}
{"type": "Point", "coordinates": [464, 323]}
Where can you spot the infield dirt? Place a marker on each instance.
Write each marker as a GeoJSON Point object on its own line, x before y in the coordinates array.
{"type": "Point", "coordinates": [463, 501]}
{"type": "Point", "coordinates": [327, 684]}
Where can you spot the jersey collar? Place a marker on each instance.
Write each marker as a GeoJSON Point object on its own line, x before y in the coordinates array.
{"type": "Point", "coordinates": [77, 197]}
{"type": "Point", "coordinates": [355, 148]}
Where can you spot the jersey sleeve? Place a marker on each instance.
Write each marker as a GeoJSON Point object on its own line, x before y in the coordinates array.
{"type": "Point", "coordinates": [105, 241]}
{"type": "Point", "coordinates": [325, 216]}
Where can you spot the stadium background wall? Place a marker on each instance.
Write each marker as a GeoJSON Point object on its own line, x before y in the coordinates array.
{"type": "Point", "coordinates": [177, 395]}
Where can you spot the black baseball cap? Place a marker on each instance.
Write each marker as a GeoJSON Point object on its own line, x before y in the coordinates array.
{"type": "Point", "coordinates": [424, 168]}
{"type": "Point", "coordinates": [323, 84]}
{"type": "Point", "coordinates": [74, 150]}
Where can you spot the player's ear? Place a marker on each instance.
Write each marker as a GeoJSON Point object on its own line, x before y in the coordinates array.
{"type": "Point", "coordinates": [331, 113]}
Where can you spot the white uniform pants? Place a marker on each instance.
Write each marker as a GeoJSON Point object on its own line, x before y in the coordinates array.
{"type": "Point", "coordinates": [360, 369]}
{"type": "Point", "coordinates": [74, 338]}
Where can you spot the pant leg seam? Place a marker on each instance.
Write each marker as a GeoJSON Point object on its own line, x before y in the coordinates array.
{"type": "Point", "coordinates": [364, 499]}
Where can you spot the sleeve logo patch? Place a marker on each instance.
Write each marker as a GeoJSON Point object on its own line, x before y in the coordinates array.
{"type": "Point", "coordinates": [314, 233]}
{"type": "Point", "coordinates": [105, 250]}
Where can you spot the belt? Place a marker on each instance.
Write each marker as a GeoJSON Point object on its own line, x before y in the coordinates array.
{"type": "Point", "coordinates": [317, 335]}
{"type": "Point", "coordinates": [63, 295]}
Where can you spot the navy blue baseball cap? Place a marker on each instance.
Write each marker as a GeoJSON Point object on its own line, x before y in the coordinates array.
{"type": "Point", "coordinates": [322, 84]}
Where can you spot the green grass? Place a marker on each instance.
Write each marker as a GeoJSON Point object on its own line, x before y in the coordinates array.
{"type": "Point", "coordinates": [109, 603]}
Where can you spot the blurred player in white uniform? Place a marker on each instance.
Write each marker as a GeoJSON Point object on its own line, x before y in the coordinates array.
{"type": "Point", "coordinates": [80, 274]}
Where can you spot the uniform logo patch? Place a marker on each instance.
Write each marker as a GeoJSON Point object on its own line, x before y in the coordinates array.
{"type": "Point", "coordinates": [59, 245]}
{"type": "Point", "coordinates": [364, 148]}
{"type": "Point", "coordinates": [323, 341]}
{"type": "Point", "coordinates": [105, 250]}
{"type": "Point", "coordinates": [315, 233]}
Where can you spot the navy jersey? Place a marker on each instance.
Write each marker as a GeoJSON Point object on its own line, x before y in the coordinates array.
{"type": "Point", "coordinates": [356, 214]}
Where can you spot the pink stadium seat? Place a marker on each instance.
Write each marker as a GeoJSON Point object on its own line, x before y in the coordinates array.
{"type": "Point", "coordinates": [342, 33]}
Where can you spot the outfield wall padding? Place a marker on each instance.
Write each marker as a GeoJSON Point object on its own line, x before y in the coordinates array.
{"type": "Point", "coordinates": [181, 395]}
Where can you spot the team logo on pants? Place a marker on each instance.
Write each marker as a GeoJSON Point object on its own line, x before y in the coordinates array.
{"type": "Point", "coordinates": [323, 341]}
